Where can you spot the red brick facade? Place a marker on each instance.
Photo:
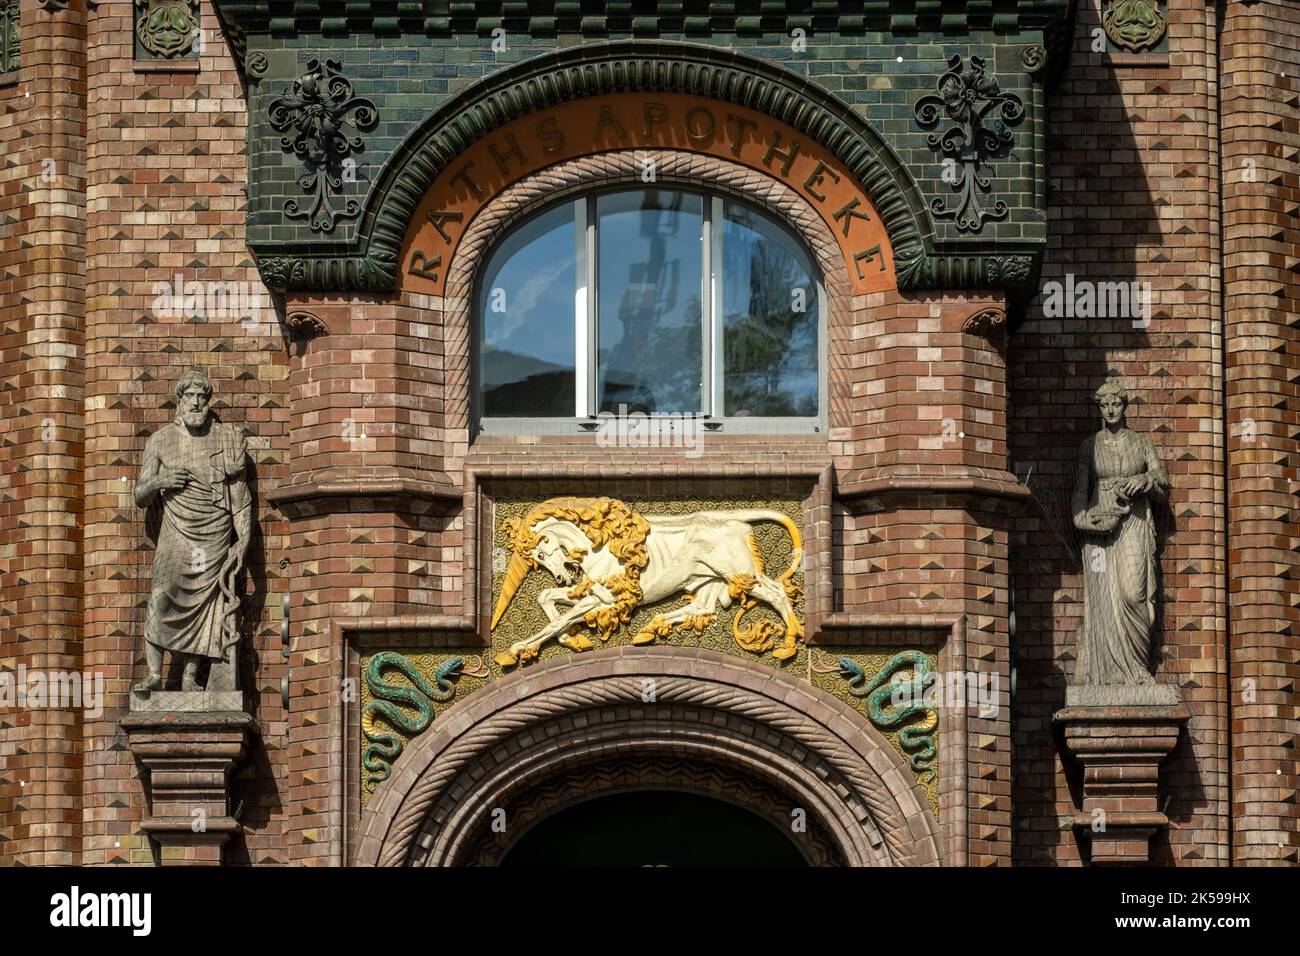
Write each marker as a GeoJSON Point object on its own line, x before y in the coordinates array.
{"type": "Point", "coordinates": [954, 417]}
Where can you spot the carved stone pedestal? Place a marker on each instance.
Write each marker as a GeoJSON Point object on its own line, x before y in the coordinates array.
{"type": "Point", "coordinates": [1120, 749]}
{"type": "Point", "coordinates": [189, 756]}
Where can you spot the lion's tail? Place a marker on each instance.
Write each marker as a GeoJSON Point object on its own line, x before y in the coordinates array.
{"type": "Point", "coordinates": [792, 590]}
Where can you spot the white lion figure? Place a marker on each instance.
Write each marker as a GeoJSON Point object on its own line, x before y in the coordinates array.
{"type": "Point", "coordinates": [608, 560]}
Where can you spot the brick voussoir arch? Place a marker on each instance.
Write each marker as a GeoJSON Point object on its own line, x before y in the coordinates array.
{"type": "Point", "coordinates": [454, 826]}
{"type": "Point", "coordinates": [673, 168]}
{"type": "Point", "coordinates": [713, 707]}
{"type": "Point", "coordinates": [580, 782]}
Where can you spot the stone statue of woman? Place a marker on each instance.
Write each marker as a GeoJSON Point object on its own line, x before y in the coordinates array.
{"type": "Point", "coordinates": [1117, 478]}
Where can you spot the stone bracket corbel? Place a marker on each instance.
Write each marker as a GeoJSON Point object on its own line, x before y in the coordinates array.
{"type": "Point", "coordinates": [189, 758]}
{"type": "Point", "coordinates": [1120, 749]}
{"type": "Point", "coordinates": [304, 325]}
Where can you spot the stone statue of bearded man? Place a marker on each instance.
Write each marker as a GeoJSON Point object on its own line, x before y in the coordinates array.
{"type": "Point", "coordinates": [198, 467]}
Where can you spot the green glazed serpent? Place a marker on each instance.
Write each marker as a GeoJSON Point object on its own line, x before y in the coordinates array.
{"type": "Point", "coordinates": [917, 739]}
{"type": "Point", "coordinates": [384, 748]}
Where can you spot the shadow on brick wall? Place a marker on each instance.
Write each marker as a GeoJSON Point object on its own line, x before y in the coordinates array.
{"type": "Point", "coordinates": [1103, 227]}
{"type": "Point", "coordinates": [254, 797]}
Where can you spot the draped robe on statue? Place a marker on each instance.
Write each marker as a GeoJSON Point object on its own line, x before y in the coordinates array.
{"type": "Point", "coordinates": [192, 608]}
{"type": "Point", "coordinates": [1119, 566]}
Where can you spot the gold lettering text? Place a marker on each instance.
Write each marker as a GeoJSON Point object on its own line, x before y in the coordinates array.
{"type": "Point", "coordinates": [551, 134]}
{"type": "Point", "coordinates": [607, 118]}
{"type": "Point", "coordinates": [700, 125]}
{"type": "Point", "coordinates": [814, 180]}
{"type": "Point", "coordinates": [847, 215]}
{"type": "Point", "coordinates": [501, 157]}
{"type": "Point", "coordinates": [774, 149]}
{"type": "Point", "coordinates": [437, 217]}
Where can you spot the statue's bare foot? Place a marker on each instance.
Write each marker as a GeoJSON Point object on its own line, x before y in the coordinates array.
{"type": "Point", "coordinates": [190, 682]}
{"type": "Point", "coordinates": [151, 683]}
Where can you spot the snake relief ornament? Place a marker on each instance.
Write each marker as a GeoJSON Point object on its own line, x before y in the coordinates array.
{"type": "Point", "coordinates": [392, 703]}
{"type": "Point", "coordinates": [915, 738]}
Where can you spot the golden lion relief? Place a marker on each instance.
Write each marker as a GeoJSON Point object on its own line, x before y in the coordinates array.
{"type": "Point", "coordinates": [607, 560]}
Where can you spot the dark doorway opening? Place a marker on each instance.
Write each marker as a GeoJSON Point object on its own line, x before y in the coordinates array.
{"type": "Point", "coordinates": [654, 828]}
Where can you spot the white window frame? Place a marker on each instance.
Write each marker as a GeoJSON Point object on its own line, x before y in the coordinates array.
{"type": "Point", "coordinates": [586, 326]}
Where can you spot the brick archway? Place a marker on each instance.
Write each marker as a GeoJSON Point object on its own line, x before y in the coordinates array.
{"type": "Point", "coordinates": [602, 776]}
{"type": "Point", "coordinates": [675, 713]}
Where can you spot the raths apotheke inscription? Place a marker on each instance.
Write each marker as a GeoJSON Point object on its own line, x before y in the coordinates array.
{"type": "Point", "coordinates": [638, 121]}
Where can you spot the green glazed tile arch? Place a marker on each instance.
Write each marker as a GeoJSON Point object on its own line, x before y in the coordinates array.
{"type": "Point", "coordinates": [370, 262]}
{"type": "Point", "coordinates": [635, 66]}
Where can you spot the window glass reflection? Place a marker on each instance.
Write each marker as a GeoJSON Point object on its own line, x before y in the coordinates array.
{"type": "Point", "coordinates": [770, 319]}
{"type": "Point", "coordinates": [526, 301]}
{"type": "Point", "coordinates": [648, 301]}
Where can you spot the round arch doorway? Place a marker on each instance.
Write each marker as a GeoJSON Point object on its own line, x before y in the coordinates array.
{"type": "Point", "coordinates": [653, 828]}
{"type": "Point", "coordinates": [552, 737]}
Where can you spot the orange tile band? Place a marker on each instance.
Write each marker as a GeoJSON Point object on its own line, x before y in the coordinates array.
{"type": "Point", "coordinates": [639, 121]}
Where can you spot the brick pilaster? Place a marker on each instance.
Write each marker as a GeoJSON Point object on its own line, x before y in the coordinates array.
{"type": "Point", "coordinates": [1260, 123]}
{"type": "Point", "coordinates": [42, 288]}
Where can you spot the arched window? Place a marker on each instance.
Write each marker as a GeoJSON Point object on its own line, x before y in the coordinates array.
{"type": "Point", "coordinates": [652, 301]}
